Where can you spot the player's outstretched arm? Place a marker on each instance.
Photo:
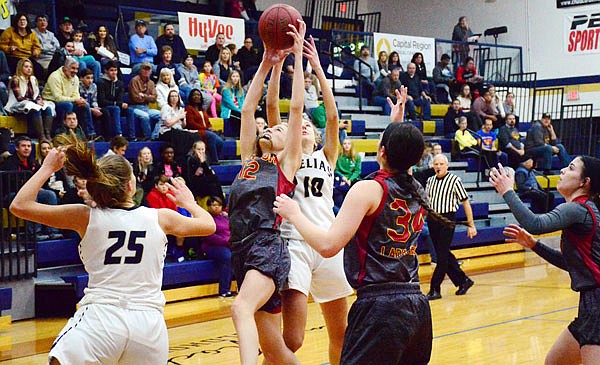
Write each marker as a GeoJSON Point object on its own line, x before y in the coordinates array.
{"type": "Point", "coordinates": [363, 199]}
{"type": "Point", "coordinates": [74, 217]}
{"type": "Point", "coordinates": [273, 113]}
{"type": "Point", "coordinates": [397, 112]}
{"type": "Point", "coordinates": [291, 157]}
{"type": "Point", "coordinates": [330, 147]}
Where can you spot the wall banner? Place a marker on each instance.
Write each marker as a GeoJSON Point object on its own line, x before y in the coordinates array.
{"type": "Point", "coordinates": [199, 31]}
{"type": "Point", "coordinates": [582, 33]}
{"type": "Point", "coordinates": [406, 46]}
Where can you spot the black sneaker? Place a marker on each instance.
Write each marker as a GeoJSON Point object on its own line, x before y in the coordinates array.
{"type": "Point", "coordinates": [464, 287]}
{"type": "Point", "coordinates": [227, 295]}
{"type": "Point", "coordinates": [434, 294]}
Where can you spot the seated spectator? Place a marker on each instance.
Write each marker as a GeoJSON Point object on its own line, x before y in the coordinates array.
{"type": "Point", "coordinates": [81, 55]}
{"type": "Point", "coordinates": [102, 46]}
{"type": "Point", "coordinates": [89, 91]}
{"type": "Point", "coordinates": [142, 48]}
{"type": "Point", "coordinates": [311, 96]}
{"type": "Point", "coordinates": [386, 88]}
{"type": "Point", "coordinates": [224, 66]}
{"type": "Point", "coordinates": [384, 66]}
{"type": "Point", "coordinates": [436, 149]}
{"type": "Point", "coordinates": [62, 88]}
{"type": "Point", "coordinates": [484, 108]}
{"type": "Point", "coordinates": [509, 104]}
{"type": "Point", "coordinates": [467, 144]}
{"type": "Point", "coordinates": [368, 70]}
{"type": "Point", "coordinates": [18, 41]}
{"type": "Point", "coordinates": [169, 38]}
{"type": "Point", "coordinates": [210, 84]}
{"type": "Point", "coordinates": [118, 146]}
{"type": "Point", "coordinates": [213, 51]}
{"type": "Point", "coordinates": [71, 125]}
{"type": "Point", "coordinates": [454, 113]}
{"type": "Point", "coordinates": [167, 165]}
{"type": "Point", "coordinates": [498, 107]}
{"type": "Point", "coordinates": [20, 161]}
{"type": "Point", "coordinates": [166, 57]}
{"type": "Point", "coordinates": [25, 98]}
{"type": "Point", "coordinates": [172, 126]}
{"type": "Point", "coordinates": [158, 198]}
{"type": "Point", "coordinates": [541, 143]}
{"type": "Point", "coordinates": [416, 95]}
{"type": "Point", "coordinates": [59, 183]}
{"type": "Point", "coordinates": [60, 56]}
{"type": "Point", "coordinates": [467, 74]}
{"type": "Point", "coordinates": [529, 188]}
{"type": "Point", "coordinates": [347, 171]}
{"type": "Point", "coordinates": [110, 99]}
{"type": "Point", "coordinates": [143, 170]}
{"type": "Point", "coordinates": [192, 80]}
{"type": "Point", "coordinates": [489, 144]}
{"type": "Point", "coordinates": [65, 31]}
{"type": "Point", "coordinates": [197, 119]}
{"type": "Point", "coordinates": [234, 58]}
{"type": "Point", "coordinates": [216, 246]}
{"type": "Point", "coordinates": [141, 93]}
{"type": "Point", "coordinates": [465, 97]}
{"type": "Point", "coordinates": [444, 79]}
{"type": "Point", "coordinates": [166, 84]}
{"type": "Point", "coordinates": [48, 43]}
{"type": "Point", "coordinates": [201, 178]}
{"type": "Point", "coordinates": [249, 57]}
{"type": "Point", "coordinates": [233, 99]}
{"type": "Point", "coordinates": [509, 141]}
{"type": "Point", "coordinates": [421, 71]}
{"type": "Point", "coordinates": [394, 62]}
{"type": "Point", "coordinates": [260, 126]}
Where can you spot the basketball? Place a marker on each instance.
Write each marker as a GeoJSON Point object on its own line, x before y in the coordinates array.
{"type": "Point", "coordinates": [273, 26]}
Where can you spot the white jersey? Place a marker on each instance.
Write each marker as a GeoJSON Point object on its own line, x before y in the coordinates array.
{"type": "Point", "coordinates": [123, 251]}
{"type": "Point", "coordinates": [314, 193]}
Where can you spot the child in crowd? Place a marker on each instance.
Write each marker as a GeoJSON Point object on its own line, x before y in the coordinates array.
{"type": "Point", "coordinates": [167, 165]}
{"type": "Point", "coordinates": [189, 73]}
{"type": "Point", "coordinates": [81, 55]}
{"type": "Point", "coordinates": [70, 124]}
{"type": "Point", "coordinates": [89, 91]}
{"type": "Point", "coordinates": [210, 84]}
{"type": "Point", "coordinates": [216, 246]}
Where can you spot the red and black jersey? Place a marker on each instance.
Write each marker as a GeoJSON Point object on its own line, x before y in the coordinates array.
{"type": "Point", "coordinates": [252, 195]}
{"type": "Point", "coordinates": [384, 249]}
{"type": "Point", "coordinates": [581, 250]}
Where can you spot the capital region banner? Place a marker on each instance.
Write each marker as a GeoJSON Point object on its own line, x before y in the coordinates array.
{"type": "Point", "coordinates": [199, 31]}
{"type": "Point", "coordinates": [582, 32]}
{"type": "Point", "coordinates": [406, 46]}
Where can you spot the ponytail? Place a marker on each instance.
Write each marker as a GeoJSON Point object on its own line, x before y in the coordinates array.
{"type": "Point", "coordinates": [107, 177]}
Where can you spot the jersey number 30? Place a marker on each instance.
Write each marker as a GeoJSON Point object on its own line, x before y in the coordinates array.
{"type": "Point", "coordinates": [137, 248]}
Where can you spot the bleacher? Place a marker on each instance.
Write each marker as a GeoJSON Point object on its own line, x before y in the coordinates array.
{"type": "Point", "coordinates": [58, 261]}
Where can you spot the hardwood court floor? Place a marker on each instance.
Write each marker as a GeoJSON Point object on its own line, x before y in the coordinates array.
{"type": "Point", "coordinates": [511, 316]}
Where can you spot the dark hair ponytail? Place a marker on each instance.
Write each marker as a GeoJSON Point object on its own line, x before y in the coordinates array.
{"type": "Point", "coordinates": [591, 170]}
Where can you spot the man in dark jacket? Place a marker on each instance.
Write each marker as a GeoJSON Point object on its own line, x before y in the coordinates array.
{"type": "Point", "coordinates": [169, 38]}
{"type": "Point", "coordinates": [528, 188]}
{"type": "Point", "coordinates": [541, 143]}
{"type": "Point", "coordinates": [250, 58]}
{"type": "Point", "coordinates": [509, 141]}
{"type": "Point", "coordinates": [416, 95]}
{"type": "Point", "coordinates": [22, 161]}
{"type": "Point", "coordinates": [110, 99]}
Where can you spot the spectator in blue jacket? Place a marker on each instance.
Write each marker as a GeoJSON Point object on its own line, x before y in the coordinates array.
{"type": "Point", "coordinates": [233, 99]}
{"type": "Point", "coordinates": [141, 47]}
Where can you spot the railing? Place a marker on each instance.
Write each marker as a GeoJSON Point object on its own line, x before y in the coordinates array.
{"type": "Point", "coordinates": [18, 248]}
{"type": "Point", "coordinates": [577, 131]}
{"type": "Point", "coordinates": [371, 21]}
{"type": "Point", "coordinates": [317, 9]}
{"type": "Point", "coordinates": [496, 70]}
{"type": "Point", "coordinates": [548, 100]}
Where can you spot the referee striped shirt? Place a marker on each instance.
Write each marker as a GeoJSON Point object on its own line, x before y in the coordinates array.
{"type": "Point", "coordinates": [445, 193]}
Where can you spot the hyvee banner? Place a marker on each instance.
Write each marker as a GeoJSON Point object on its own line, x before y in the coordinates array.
{"type": "Point", "coordinates": [199, 31]}
{"type": "Point", "coordinates": [582, 32]}
{"type": "Point", "coordinates": [406, 46]}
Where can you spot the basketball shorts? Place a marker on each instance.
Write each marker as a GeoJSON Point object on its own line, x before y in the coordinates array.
{"type": "Point", "coordinates": [108, 334]}
{"type": "Point", "coordinates": [324, 278]}
{"type": "Point", "coordinates": [266, 252]}
{"type": "Point", "coordinates": [388, 324]}
{"type": "Point", "coordinates": [586, 327]}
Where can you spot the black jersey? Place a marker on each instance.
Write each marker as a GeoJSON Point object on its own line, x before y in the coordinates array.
{"type": "Point", "coordinates": [384, 249]}
{"type": "Point", "coordinates": [253, 192]}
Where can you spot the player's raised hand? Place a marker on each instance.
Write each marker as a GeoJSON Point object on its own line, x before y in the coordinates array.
{"type": "Point", "coordinates": [298, 35]}
{"type": "Point", "coordinates": [180, 193]}
{"type": "Point", "coordinates": [272, 57]}
{"type": "Point", "coordinates": [502, 179]}
{"type": "Point", "coordinates": [55, 160]}
{"type": "Point", "coordinates": [397, 109]}
{"type": "Point", "coordinates": [518, 235]}
{"type": "Point", "coordinates": [311, 54]}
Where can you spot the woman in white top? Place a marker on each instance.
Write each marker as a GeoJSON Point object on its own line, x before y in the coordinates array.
{"type": "Point", "coordinates": [465, 98]}
{"type": "Point", "coordinates": [120, 317]}
{"type": "Point", "coordinates": [172, 126]}
{"type": "Point", "coordinates": [166, 83]}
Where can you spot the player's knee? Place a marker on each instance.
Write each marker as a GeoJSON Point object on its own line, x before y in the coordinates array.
{"type": "Point", "coordinates": [240, 310]}
{"type": "Point", "coordinates": [293, 341]}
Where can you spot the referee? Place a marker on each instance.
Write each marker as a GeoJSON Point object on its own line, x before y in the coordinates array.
{"type": "Point", "coordinates": [445, 191]}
